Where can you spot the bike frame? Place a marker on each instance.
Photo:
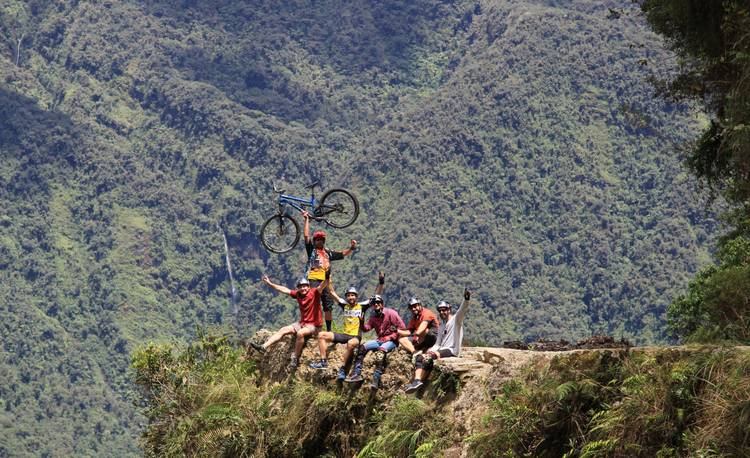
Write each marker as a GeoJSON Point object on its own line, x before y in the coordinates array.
{"type": "Point", "coordinates": [300, 203]}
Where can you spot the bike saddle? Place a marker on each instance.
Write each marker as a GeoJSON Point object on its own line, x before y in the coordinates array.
{"type": "Point", "coordinates": [314, 183]}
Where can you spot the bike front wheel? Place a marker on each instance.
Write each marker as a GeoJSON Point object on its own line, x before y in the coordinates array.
{"type": "Point", "coordinates": [338, 208]}
{"type": "Point", "coordinates": [279, 234]}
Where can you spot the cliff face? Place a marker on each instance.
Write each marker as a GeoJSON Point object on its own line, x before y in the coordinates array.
{"type": "Point", "coordinates": [215, 399]}
{"type": "Point", "coordinates": [461, 390]}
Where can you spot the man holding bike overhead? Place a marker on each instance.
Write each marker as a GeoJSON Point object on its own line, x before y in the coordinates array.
{"type": "Point", "coordinates": [319, 262]}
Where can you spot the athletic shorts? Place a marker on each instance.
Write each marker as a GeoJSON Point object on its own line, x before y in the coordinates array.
{"type": "Point", "coordinates": [441, 353]}
{"type": "Point", "coordinates": [325, 299]}
{"type": "Point", "coordinates": [342, 338]}
{"type": "Point", "coordinates": [428, 341]}
{"type": "Point", "coordinates": [300, 326]}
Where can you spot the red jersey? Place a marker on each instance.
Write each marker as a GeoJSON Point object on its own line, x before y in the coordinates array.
{"type": "Point", "coordinates": [425, 315]}
{"type": "Point", "coordinates": [309, 306]}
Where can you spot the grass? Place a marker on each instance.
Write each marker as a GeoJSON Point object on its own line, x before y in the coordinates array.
{"type": "Point", "coordinates": [659, 404]}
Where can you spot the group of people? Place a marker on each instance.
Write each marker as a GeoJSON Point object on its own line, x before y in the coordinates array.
{"type": "Point", "coordinates": [427, 336]}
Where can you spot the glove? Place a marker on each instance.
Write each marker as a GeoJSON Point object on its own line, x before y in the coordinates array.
{"type": "Point", "coordinates": [467, 294]}
{"type": "Point", "coordinates": [381, 278]}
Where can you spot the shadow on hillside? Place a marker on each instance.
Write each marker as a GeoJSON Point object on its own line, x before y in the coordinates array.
{"type": "Point", "coordinates": [265, 51]}
{"type": "Point", "coordinates": [34, 135]}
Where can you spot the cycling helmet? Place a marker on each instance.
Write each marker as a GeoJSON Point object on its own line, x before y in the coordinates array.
{"type": "Point", "coordinates": [443, 305]}
{"type": "Point", "coordinates": [377, 298]}
{"type": "Point", "coordinates": [414, 301]}
{"type": "Point", "coordinates": [319, 235]}
{"type": "Point", "coordinates": [303, 281]}
{"type": "Point", "coordinates": [352, 290]}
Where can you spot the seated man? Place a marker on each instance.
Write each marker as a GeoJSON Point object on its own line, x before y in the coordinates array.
{"type": "Point", "coordinates": [354, 313]}
{"type": "Point", "coordinates": [450, 337]}
{"type": "Point", "coordinates": [386, 324]}
{"type": "Point", "coordinates": [421, 332]}
{"type": "Point", "coordinates": [311, 316]}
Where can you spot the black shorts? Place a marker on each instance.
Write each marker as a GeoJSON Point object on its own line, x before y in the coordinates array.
{"type": "Point", "coordinates": [428, 341]}
{"type": "Point", "coordinates": [325, 299]}
{"type": "Point", "coordinates": [342, 338]}
{"type": "Point", "coordinates": [443, 353]}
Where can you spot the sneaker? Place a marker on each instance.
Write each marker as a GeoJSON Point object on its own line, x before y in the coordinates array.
{"type": "Point", "coordinates": [258, 347]}
{"type": "Point", "coordinates": [413, 386]}
{"type": "Point", "coordinates": [354, 379]}
{"type": "Point", "coordinates": [322, 364]}
{"type": "Point", "coordinates": [341, 375]}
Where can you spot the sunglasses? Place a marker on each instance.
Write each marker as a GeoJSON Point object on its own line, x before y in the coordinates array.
{"type": "Point", "coordinates": [377, 302]}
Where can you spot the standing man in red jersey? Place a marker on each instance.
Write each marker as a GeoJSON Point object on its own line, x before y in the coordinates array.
{"type": "Point", "coordinates": [319, 262]}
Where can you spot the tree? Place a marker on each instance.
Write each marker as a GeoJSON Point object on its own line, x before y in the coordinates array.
{"type": "Point", "coordinates": [713, 42]}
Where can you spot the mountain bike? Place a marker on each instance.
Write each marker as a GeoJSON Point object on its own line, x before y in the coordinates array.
{"type": "Point", "coordinates": [337, 208]}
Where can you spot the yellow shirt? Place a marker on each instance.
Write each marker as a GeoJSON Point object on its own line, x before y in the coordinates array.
{"type": "Point", "coordinates": [353, 315]}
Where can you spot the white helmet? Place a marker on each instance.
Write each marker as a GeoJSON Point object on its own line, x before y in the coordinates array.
{"type": "Point", "coordinates": [443, 305]}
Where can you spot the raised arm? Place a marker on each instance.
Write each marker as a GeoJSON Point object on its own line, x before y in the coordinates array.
{"type": "Point", "coordinates": [350, 250]}
{"type": "Point", "coordinates": [381, 284]}
{"type": "Point", "coordinates": [324, 284]}
{"type": "Point", "coordinates": [333, 294]}
{"type": "Point", "coordinates": [280, 288]}
{"type": "Point", "coordinates": [461, 312]}
{"type": "Point", "coordinates": [306, 231]}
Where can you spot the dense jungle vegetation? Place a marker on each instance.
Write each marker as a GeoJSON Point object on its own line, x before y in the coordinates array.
{"type": "Point", "coordinates": [514, 147]}
{"type": "Point", "coordinates": [207, 400]}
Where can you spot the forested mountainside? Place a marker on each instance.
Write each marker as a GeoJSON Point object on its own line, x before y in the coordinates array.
{"type": "Point", "coordinates": [515, 147]}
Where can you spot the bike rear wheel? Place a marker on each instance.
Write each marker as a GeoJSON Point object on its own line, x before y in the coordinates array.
{"type": "Point", "coordinates": [279, 234]}
{"type": "Point", "coordinates": [338, 208]}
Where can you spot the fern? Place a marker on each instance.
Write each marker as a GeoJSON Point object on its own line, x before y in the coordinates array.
{"type": "Point", "coordinates": [598, 448]}
{"type": "Point", "coordinates": [565, 390]}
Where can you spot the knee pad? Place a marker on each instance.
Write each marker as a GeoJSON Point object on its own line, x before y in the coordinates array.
{"type": "Point", "coordinates": [359, 353]}
{"type": "Point", "coordinates": [428, 363]}
{"type": "Point", "coordinates": [380, 359]}
{"type": "Point", "coordinates": [419, 361]}
{"type": "Point", "coordinates": [379, 356]}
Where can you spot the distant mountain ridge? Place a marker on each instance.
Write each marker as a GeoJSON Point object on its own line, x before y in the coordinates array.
{"type": "Point", "coordinates": [514, 147]}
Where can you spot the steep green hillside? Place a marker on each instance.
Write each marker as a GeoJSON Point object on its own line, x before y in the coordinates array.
{"type": "Point", "coordinates": [514, 147]}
